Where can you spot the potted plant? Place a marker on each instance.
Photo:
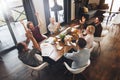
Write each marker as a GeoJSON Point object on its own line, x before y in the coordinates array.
{"type": "Point", "coordinates": [62, 36]}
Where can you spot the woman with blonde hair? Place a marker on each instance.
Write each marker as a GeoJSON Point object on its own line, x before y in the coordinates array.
{"type": "Point", "coordinates": [89, 36]}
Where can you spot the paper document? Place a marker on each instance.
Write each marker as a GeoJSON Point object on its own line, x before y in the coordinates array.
{"type": "Point", "coordinates": [50, 40]}
{"type": "Point", "coordinates": [46, 49]}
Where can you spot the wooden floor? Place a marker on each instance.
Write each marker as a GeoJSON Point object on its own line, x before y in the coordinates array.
{"type": "Point", "coordinates": [106, 66]}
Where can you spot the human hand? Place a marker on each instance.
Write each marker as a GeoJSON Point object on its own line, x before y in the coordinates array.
{"type": "Point", "coordinates": [67, 48]}
{"type": "Point", "coordinates": [81, 22]}
{"type": "Point", "coordinates": [29, 34]}
{"type": "Point", "coordinates": [21, 21]}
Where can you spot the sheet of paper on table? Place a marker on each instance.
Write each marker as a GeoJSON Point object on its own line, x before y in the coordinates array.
{"type": "Point", "coordinates": [50, 40]}
{"type": "Point", "coordinates": [50, 51]}
{"type": "Point", "coordinates": [47, 49]}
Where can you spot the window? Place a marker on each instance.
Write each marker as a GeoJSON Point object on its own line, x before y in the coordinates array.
{"type": "Point", "coordinates": [116, 4]}
{"type": "Point", "coordinates": [59, 10]}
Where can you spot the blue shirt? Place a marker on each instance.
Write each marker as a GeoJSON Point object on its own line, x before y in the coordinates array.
{"type": "Point", "coordinates": [80, 58]}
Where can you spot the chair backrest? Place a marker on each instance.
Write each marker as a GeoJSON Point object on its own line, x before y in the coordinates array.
{"type": "Point", "coordinates": [95, 44]}
{"type": "Point", "coordinates": [39, 57]}
{"type": "Point", "coordinates": [40, 67]}
{"type": "Point", "coordinates": [78, 70]}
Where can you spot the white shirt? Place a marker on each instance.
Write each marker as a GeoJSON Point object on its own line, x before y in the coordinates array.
{"type": "Point", "coordinates": [52, 27]}
{"type": "Point", "coordinates": [89, 39]}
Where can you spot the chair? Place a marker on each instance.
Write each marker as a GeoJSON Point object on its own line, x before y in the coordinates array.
{"type": "Point", "coordinates": [44, 36]}
{"type": "Point", "coordinates": [39, 57]}
{"type": "Point", "coordinates": [96, 49]}
{"type": "Point", "coordinates": [40, 67]}
{"type": "Point", "coordinates": [94, 45]}
{"type": "Point", "coordinates": [78, 70]}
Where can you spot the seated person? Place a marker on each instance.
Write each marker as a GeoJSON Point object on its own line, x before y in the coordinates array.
{"type": "Point", "coordinates": [54, 26]}
{"type": "Point", "coordinates": [82, 22]}
{"type": "Point", "coordinates": [98, 26]}
{"type": "Point", "coordinates": [26, 55]}
{"type": "Point", "coordinates": [89, 36]}
{"type": "Point", "coordinates": [36, 30]}
{"type": "Point", "coordinates": [81, 56]}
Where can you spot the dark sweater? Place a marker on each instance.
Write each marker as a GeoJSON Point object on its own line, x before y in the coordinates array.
{"type": "Point", "coordinates": [98, 29]}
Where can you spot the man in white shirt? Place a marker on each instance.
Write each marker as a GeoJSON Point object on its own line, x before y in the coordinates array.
{"type": "Point", "coordinates": [54, 26]}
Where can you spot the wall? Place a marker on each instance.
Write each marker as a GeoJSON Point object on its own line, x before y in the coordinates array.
{"type": "Point", "coordinates": [94, 1]}
{"type": "Point", "coordinates": [39, 7]}
{"type": "Point", "coordinates": [72, 10]}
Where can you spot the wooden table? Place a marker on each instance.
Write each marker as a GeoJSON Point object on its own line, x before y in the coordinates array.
{"type": "Point", "coordinates": [51, 51]}
{"type": "Point", "coordinates": [49, 48]}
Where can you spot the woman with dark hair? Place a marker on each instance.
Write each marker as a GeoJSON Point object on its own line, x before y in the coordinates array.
{"type": "Point", "coordinates": [82, 22]}
{"type": "Point", "coordinates": [98, 26]}
{"type": "Point", "coordinates": [81, 56]}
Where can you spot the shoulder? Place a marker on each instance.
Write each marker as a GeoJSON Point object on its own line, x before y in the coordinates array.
{"type": "Point", "coordinates": [88, 36]}
{"type": "Point", "coordinates": [100, 25]}
{"type": "Point", "coordinates": [86, 50]}
{"type": "Point", "coordinates": [34, 50]}
{"type": "Point", "coordinates": [36, 27]}
{"type": "Point", "coordinates": [50, 25]}
{"type": "Point", "coordinates": [21, 55]}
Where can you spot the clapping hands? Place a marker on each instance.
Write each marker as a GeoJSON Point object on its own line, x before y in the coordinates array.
{"type": "Point", "coordinates": [29, 34]}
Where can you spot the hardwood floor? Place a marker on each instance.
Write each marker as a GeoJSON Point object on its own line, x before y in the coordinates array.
{"type": "Point", "coordinates": [103, 67]}
{"type": "Point", "coordinates": [107, 65]}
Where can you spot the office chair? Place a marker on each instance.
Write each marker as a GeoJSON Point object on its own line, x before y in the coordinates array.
{"type": "Point", "coordinates": [78, 70]}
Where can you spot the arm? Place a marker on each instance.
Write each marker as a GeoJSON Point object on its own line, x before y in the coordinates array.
{"type": "Point", "coordinates": [71, 56]}
{"type": "Point", "coordinates": [82, 21]}
{"type": "Point", "coordinates": [23, 25]}
{"type": "Point", "coordinates": [66, 49]}
{"type": "Point", "coordinates": [50, 28]}
{"type": "Point", "coordinates": [57, 26]}
{"type": "Point", "coordinates": [38, 18]}
{"type": "Point", "coordinates": [35, 44]}
{"type": "Point", "coordinates": [28, 39]}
